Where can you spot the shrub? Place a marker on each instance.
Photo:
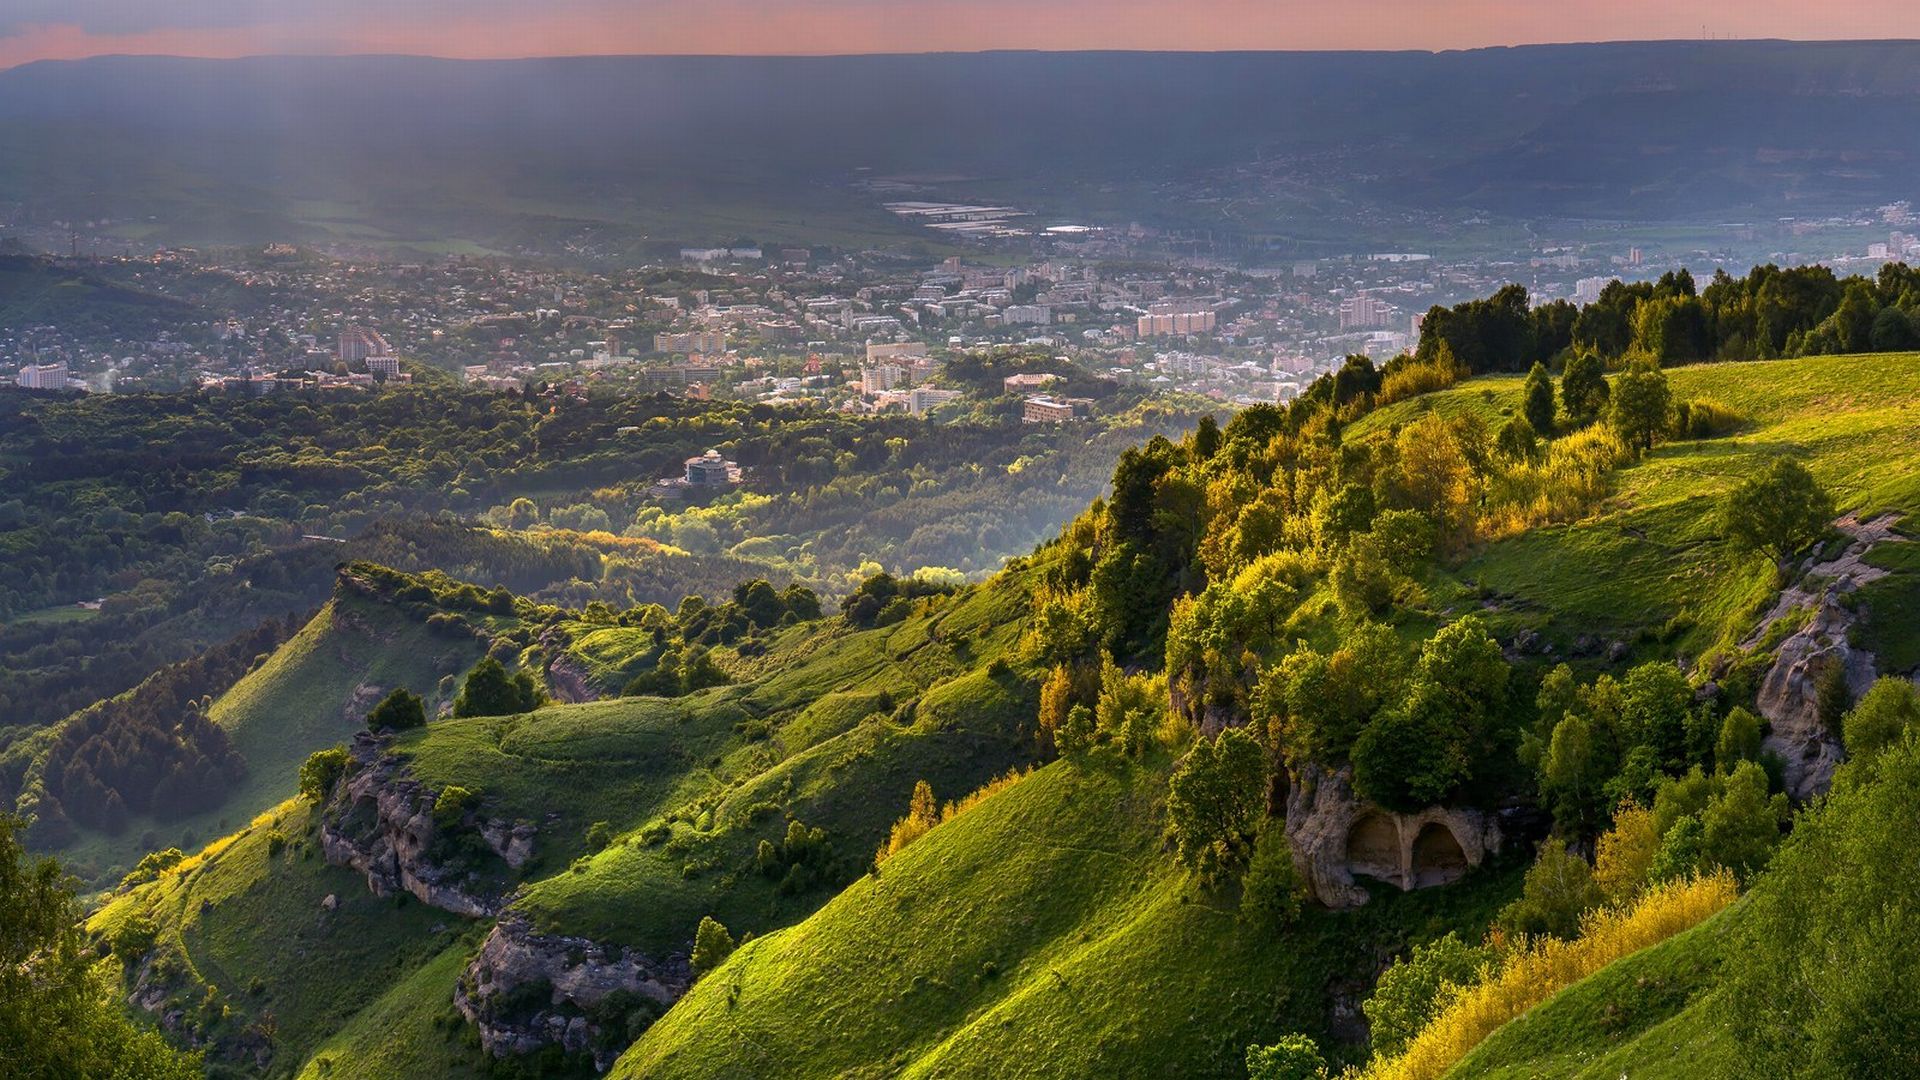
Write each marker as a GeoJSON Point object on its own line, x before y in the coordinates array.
{"type": "Point", "coordinates": [1739, 739]}
{"type": "Point", "coordinates": [133, 937]}
{"type": "Point", "coordinates": [599, 835]}
{"type": "Point", "coordinates": [452, 804]}
{"type": "Point", "coordinates": [1272, 893]}
{"type": "Point", "coordinates": [151, 866]}
{"type": "Point", "coordinates": [490, 691]}
{"type": "Point", "coordinates": [1536, 400]}
{"type": "Point", "coordinates": [1294, 1057]}
{"type": "Point", "coordinates": [922, 815]}
{"type": "Point", "coordinates": [1412, 380]}
{"type": "Point", "coordinates": [321, 770]}
{"type": "Point", "coordinates": [1705, 418]}
{"type": "Point", "coordinates": [711, 945]}
{"type": "Point", "coordinates": [1559, 891]}
{"type": "Point", "coordinates": [1623, 856]}
{"type": "Point", "coordinates": [398, 711]}
{"type": "Point", "coordinates": [1414, 989]}
{"type": "Point", "coordinates": [1885, 713]}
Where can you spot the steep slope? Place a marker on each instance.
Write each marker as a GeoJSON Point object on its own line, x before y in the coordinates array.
{"type": "Point", "coordinates": [312, 692]}
{"type": "Point", "coordinates": [828, 724]}
{"type": "Point", "coordinates": [1042, 932]}
{"type": "Point", "coordinates": [1630, 1019]}
{"type": "Point", "coordinates": [261, 949]}
{"type": "Point", "coordinates": [1645, 567]}
{"type": "Point", "coordinates": [1046, 930]}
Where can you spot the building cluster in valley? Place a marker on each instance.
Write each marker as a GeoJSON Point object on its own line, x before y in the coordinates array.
{"type": "Point", "coordinates": [851, 330]}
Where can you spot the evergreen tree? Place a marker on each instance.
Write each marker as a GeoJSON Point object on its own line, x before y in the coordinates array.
{"type": "Point", "coordinates": [711, 945]}
{"type": "Point", "coordinates": [1537, 399]}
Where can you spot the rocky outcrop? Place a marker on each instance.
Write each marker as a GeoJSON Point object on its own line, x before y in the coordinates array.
{"type": "Point", "coordinates": [568, 681]}
{"type": "Point", "coordinates": [1789, 692]}
{"type": "Point", "coordinates": [1336, 835]}
{"type": "Point", "coordinates": [380, 822]}
{"type": "Point", "coordinates": [526, 990]}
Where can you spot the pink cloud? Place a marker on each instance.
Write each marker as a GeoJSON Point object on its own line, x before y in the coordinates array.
{"type": "Point", "coordinates": [853, 26]}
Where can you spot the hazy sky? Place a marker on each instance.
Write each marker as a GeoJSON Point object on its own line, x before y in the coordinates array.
{"type": "Point", "coordinates": [40, 29]}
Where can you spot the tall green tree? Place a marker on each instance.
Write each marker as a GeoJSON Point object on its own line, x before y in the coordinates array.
{"type": "Point", "coordinates": [1215, 800]}
{"type": "Point", "coordinates": [1583, 388]}
{"type": "Point", "coordinates": [60, 1013]}
{"type": "Point", "coordinates": [1537, 399]}
{"type": "Point", "coordinates": [1640, 404]}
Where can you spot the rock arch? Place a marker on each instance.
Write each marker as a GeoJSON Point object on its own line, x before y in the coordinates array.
{"type": "Point", "coordinates": [1337, 836]}
{"type": "Point", "coordinates": [1373, 849]}
{"type": "Point", "coordinates": [1438, 858]}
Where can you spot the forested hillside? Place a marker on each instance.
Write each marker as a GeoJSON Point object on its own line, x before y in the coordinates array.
{"type": "Point", "coordinates": [194, 519]}
{"type": "Point", "coordinates": [1449, 721]}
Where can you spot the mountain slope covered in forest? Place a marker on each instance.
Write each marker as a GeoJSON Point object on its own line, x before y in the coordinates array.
{"type": "Point", "coordinates": [679, 878]}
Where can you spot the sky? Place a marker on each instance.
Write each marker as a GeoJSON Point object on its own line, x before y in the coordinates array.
{"type": "Point", "coordinates": [69, 29]}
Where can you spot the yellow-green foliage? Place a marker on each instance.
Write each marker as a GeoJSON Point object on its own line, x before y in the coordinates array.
{"type": "Point", "coordinates": [1539, 968]}
{"type": "Point", "coordinates": [921, 816]}
{"type": "Point", "coordinates": [1569, 481]}
{"type": "Point", "coordinates": [1416, 379]}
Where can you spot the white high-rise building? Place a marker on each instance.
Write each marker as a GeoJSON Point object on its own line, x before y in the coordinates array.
{"type": "Point", "coordinates": [43, 377]}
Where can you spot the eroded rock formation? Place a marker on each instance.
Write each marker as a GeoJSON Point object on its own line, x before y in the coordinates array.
{"type": "Point", "coordinates": [381, 823]}
{"type": "Point", "coordinates": [526, 990]}
{"type": "Point", "coordinates": [1337, 836]}
{"type": "Point", "coordinates": [1789, 693]}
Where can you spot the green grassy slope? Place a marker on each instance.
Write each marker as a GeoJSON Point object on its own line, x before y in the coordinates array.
{"type": "Point", "coordinates": [411, 1030]}
{"type": "Point", "coordinates": [1042, 933]}
{"type": "Point", "coordinates": [1645, 567]}
{"type": "Point", "coordinates": [1654, 1015]}
{"type": "Point", "coordinates": [831, 726]}
{"type": "Point", "coordinates": [250, 952]}
{"type": "Point", "coordinates": [311, 693]}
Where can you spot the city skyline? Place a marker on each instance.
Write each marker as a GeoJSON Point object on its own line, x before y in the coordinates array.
{"type": "Point", "coordinates": [493, 29]}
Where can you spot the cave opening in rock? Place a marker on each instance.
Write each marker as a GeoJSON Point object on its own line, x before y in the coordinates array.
{"type": "Point", "coordinates": [1373, 849]}
{"type": "Point", "coordinates": [1437, 857]}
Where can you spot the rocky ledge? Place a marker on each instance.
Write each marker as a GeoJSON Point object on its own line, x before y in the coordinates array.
{"type": "Point", "coordinates": [1790, 691]}
{"type": "Point", "coordinates": [527, 990]}
{"type": "Point", "coordinates": [380, 822]}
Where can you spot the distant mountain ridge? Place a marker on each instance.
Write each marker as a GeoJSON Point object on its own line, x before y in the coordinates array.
{"type": "Point", "coordinates": [490, 149]}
